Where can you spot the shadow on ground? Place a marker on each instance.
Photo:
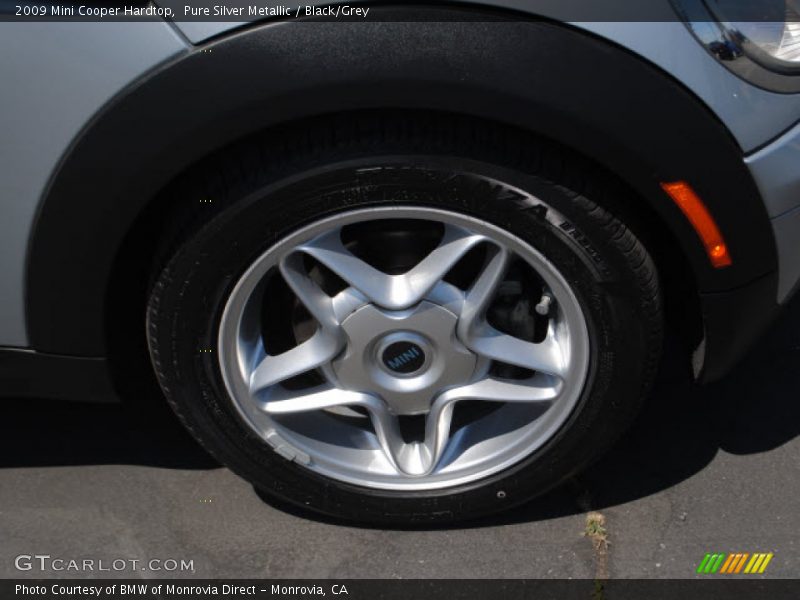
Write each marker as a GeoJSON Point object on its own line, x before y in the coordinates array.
{"type": "Point", "coordinates": [683, 426]}
{"type": "Point", "coordinates": [38, 433]}
{"type": "Point", "coordinates": [681, 429]}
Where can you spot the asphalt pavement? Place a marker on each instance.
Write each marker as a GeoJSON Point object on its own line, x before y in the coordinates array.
{"type": "Point", "coordinates": [705, 469]}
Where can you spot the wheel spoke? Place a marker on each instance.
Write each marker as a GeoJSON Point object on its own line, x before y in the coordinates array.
{"type": "Point", "coordinates": [535, 389]}
{"type": "Point", "coordinates": [281, 402]}
{"type": "Point", "coordinates": [454, 245]}
{"type": "Point", "coordinates": [544, 356]}
{"type": "Point", "coordinates": [394, 292]}
{"type": "Point", "coordinates": [346, 302]}
{"type": "Point", "coordinates": [437, 426]}
{"type": "Point", "coordinates": [422, 459]}
{"type": "Point", "coordinates": [324, 345]}
{"type": "Point", "coordinates": [411, 459]}
{"type": "Point", "coordinates": [313, 353]}
{"type": "Point", "coordinates": [408, 459]}
{"type": "Point", "coordinates": [482, 338]}
{"type": "Point", "coordinates": [482, 292]}
{"type": "Point", "coordinates": [316, 301]}
{"type": "Point", "coordinates": [437, 431]}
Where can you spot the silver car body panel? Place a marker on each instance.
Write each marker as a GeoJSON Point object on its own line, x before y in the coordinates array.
{"type": "Point", "coordinates": [754, 116]}
{"type": "Point", "coordinates": [55, 76]}
{"type": "Point", "coordinates": [787, 239]}
{"type": "Point", "coordinates": [776, 169]}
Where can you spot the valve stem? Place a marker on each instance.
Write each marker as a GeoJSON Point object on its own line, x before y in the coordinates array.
{"type": "Point", "coordinates": [543, 308]}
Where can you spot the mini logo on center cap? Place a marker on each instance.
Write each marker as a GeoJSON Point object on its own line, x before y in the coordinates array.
{"type": "Point", "coordinates": [403, 357]}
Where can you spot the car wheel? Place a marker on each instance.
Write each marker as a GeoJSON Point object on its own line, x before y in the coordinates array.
{"type": "Point", "coordinates": [395, 321]}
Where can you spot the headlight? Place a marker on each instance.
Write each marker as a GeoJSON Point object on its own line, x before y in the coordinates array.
{"type": "Point", "coordinates": [767, 30]}
{"type": "Point", "coordinates": [759, 40]}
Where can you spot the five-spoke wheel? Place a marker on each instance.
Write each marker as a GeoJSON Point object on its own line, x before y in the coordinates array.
{"type": "Point", "coordinates": [403, 344]}
{"type": "Point", "coordinates": [402, 320]}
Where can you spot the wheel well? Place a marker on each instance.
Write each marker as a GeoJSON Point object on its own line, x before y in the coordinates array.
{"type": "Point", "coordinates": [143, 251]}
{"type": "Point", "coordinates": [649, 130]}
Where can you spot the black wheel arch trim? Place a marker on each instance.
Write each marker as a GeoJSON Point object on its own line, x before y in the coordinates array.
{"type": "Point", "coordinates": [732, 322]}
{"type": "Point", "coordinates": [549, 79]}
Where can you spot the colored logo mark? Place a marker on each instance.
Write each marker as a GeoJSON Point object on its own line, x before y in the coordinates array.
{"type": "Point", "coordinates": [731, 564]}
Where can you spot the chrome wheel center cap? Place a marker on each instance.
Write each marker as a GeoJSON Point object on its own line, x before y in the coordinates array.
{"type": "Point", "coordinates": [405, 357]}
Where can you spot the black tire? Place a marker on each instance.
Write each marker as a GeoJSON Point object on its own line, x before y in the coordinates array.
{"type": "Point", "coordinates": [265, 188]}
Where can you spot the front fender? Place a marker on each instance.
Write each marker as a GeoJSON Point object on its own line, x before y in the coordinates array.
{"type": "Point", "coordinates": [549, 79]}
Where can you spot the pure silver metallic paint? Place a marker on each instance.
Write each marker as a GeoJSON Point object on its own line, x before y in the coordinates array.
{"type": "Point", "coordinates": [55, 77]}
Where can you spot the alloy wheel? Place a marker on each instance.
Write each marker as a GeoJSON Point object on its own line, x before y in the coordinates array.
{"type": "Point", "coordinates": [404, 348]}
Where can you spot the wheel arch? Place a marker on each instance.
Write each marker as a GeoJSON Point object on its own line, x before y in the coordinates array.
{"type": "Point", "coordinates": [103, 194]}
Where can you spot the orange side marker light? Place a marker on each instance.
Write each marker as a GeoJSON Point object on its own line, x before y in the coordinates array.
{"type": "Point", "coordinates": [703, 223]}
